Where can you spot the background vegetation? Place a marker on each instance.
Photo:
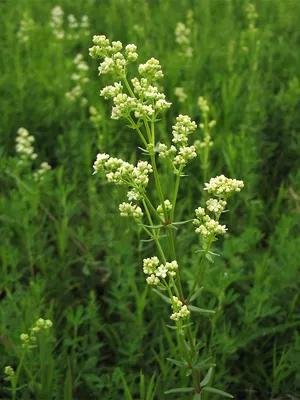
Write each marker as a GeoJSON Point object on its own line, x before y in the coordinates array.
{"type": "Point", "coordinates": [67, 255]}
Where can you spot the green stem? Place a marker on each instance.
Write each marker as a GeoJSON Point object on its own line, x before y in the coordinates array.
{"type": "Point", "coordinates": [151, 135]}
{"type": "Point", "coordinates": [15, 380]}
{"type": "Point", "coordinates": [128, 87]}
{"type": "Point", "coordinates": [200, 269]}
{"type": "Point", "coordinates": [153, 236]}
{"type": "Point", "coordinates": [195, 374]}
{"type": "Point", "coordinates": [170, 238]}
{"type": "Point", "coordinates": [175, 193]}
{"type": "Point", "coordinates": [206, 151]}
{"type": "Point", "coordinates": [206, 250]}
{"type": "Point", "coordinates": [170, 235]}
{"type": "Point", "coordinates": [130, 119]}
{"type": "Point", "coordinates": [152, 207]}
{"type": "Point", "coordinates": [158, 185]}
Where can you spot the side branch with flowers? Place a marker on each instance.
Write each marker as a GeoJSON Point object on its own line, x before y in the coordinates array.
{"type": "Point", "coordinates": [140, 103]}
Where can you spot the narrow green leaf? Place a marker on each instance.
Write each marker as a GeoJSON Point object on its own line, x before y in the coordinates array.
{"type": "Point", "coordinates": [22, 386]}
{"type": "Point", "coordinates": [165, 298]}
{"type": "Point", "coordinates": [209, 257]}
{"type": "Point", "coordinates": [207, 377]}
{"type": "Point", "coordinates": [126, 388]}
{"type": "Point", "coordinates": [217, 391]}
{"type": "Point", "coordinates": [178, 363]}
{"type": "Point", "coordinates": [180, 390]}
{"type": "Point", "coordinates": [171, 226]}
{"type": "Point", "coordinates": [151, 389]}
{"type": "Point", "coordinates": [152, 226]}
{"type": "Point", "coordinates": [182, 222]}
{"type": "Point", "coordinates": [143, 150]}
{"type": "Point", "coordinates": [199, 290]}
{"type": "Point", "coordinates": [186, 325]}
{"type": "Point", "coordinates": [200, 310]}
{"type": "Point", "coordinates": [172, 327]}
{"type": "Point", "coordinates": [199, 367]}
{"type": "Point", "coordinates": [153, 238]}
{"type": "Point", "coordinates": [203, 364]}
{"type": "Point", "coordinates": [199, 346]}
{"type": "Point", "coordinates": [142, 385]}
{"type": "Point", "coordinates": [187, 346]}
{"type": "Point", "coordinates": [214, 254]}
{"type": "Point", "coordinates": [68, 384]}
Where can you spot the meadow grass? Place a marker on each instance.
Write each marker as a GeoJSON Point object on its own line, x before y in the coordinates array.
{"type": "Point", "coordinates": [66, 255]}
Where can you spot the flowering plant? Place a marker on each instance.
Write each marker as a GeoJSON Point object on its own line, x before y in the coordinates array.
{"type": "Point", "coordinates": [37, 335]}
{"type": "Point", "coordinates": [140, 102]}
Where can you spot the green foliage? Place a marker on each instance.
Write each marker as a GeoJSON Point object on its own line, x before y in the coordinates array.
{"type": "Point", "coordinates": [65, 253]}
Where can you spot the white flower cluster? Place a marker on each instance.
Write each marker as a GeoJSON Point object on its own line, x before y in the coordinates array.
{"type": "Point", "coordinates": [150, 95]}
{"type": "Point", "coordinates": [24, 145]}
{"type": "Point", "coordinates": [76, 29]}
{"type": "Point", "coordinates": [185, 154]}
{"type": "Point", "coordinates": [124, 173]}
{"type": "Point", "coordinates": [27, 25]}
{"type": "Point", "coordinates": [134, 194]}
{"type": "Point", "coordinates": [168, 207]}
{"type": "Point", "coordinates": [141, 172]}
{"type": "Point", "coordinates": [183, 127]}
{"type": "Point", "coordinates": [166, 152]}
{"type": "Point", "coordinates": [183, 39]}
{"type": "Point", "coordinates": [139, 30]}
{"type": "Point", "coordinates": [9, 372]}
{"type": "Point", "coordinates": [203, 105]}
{"type": "Point", "coordinates": [111, 91]}
{"type": "Point", "coordinates": [216, 206]}
{"type": "Point", "coordinates": [25, 150]}
{"type": "Point", "coordinates": [146, 101]}
{"type": "Point", "coordinates": [180, 311]}
{"type": "Point", "coordinates": [252, 16]}
{"type": "Point", "coordinates": [41, 324]}
{"type": "Point", "coordinates": [131, 53]}
{"type": "Point", "coordinates": [181, 95]}
{"type": "Point", "coordinates": [80, 78]}
{"type": "Point", "coordinates": [158, 272]}
{"type": "Point", "coordinates": [57, 21]}
{"type": "Point", "coordinates": [206, 142]}
{"type": "Point", "coordinates": [207, 127]}
{"type": "Point", "coordinates": [151, 70]}
{"type": "Point", "coordinates": [179, 156]}
{"type": "Point", "coordinates": [95, 117]}
{"type": "Point", "coordinates": [130, 210]}
{"type": "Point", "coordinates": [221, 186]}
{"type": "Point", "coordinates": [39, 174]}
{"type": "Point", "coordinates": [206, 226]}
{"type": "Point", "coordinates": [114, 60]}
{"type": "Point", "coordinates": [211, 124]}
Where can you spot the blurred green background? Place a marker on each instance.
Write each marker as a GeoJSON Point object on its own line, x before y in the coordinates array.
{"type": "Point", "coordinates": [65, 252]}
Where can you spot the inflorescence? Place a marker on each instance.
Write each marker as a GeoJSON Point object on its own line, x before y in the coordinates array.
{"type": "Point", "coordinates": [25, 150]}
{"type": "Point", "coordinates": [158, 272]}
{"type": "Point", "coordinates": [144, 100]}
{"type": "Point", "coordinates": [140, 102]}
{"type": "Point", "coordinates": [221, 187]}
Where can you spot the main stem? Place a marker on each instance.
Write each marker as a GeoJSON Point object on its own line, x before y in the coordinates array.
{"type": "Point", "coordinates": [169, 232]}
